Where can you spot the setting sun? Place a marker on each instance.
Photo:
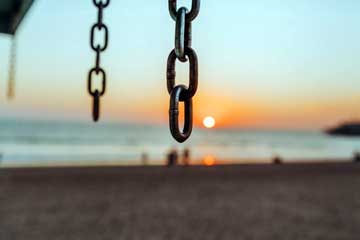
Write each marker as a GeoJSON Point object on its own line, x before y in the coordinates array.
{"type": "Point", "coordinates": [209, 122]}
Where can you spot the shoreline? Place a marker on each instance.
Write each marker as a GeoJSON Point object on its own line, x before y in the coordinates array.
{"type": "Point", "coordinates": [159, 163]}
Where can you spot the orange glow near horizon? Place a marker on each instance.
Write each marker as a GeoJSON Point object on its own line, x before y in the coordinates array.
{"type": "Point", "coordinates": [209, 161]}
{"type": "Point", "coordinates": [255, 112]}
{"type": "Point", "coordinates": [229, 110]}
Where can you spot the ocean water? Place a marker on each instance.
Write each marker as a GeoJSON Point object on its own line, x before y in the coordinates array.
{"type": "Point", "coordinates": [26, 143]}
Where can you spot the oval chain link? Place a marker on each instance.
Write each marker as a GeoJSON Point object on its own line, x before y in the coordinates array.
{"type": "Point", "coordinates": [98, 49]}
{"type": "Point", "coordinates": [195, 9]}
{"type": "Point", "coordinates": [183, 52]}
{"type": "Point", "coordinates": [190, 91]}
{"type": "Point", "coordinates": [180, 34]}
{"type": "Point", "coordinates": [180, 136]}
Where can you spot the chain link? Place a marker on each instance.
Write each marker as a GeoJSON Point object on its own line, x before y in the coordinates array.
{"type": "Point", "coordinates": [180, 34]}
{"type": "Point", "coordinates": [175, 98]}
{"type": "Point", "coordinates": [183, 52]}
{"type": "Point", "coordinates": [195, 9]}
{"type": "Point", "coordinates": [98, 49]}
{"type": "Point", "coordinates": [190, 91]}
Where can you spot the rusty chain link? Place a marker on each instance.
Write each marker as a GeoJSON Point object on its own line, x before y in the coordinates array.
{"type": "Point", "coordinates": [98, 48]}
{"type": "Point", "coordinates": [183, 52]}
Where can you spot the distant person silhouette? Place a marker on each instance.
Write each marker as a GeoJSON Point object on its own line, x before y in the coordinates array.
{"type": "Point", "coordinates": [356, 157]}
{"type": "Point", "coordinates": [172, 158]}
{"type": "Point", "coordinates": [144, 159]}
{"type": "Point", "coordinates": [186, 157]}
{"type": "Point", "coordinates": [277, 160]}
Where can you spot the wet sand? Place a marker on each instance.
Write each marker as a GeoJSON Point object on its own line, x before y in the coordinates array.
{"type": "Point", "coordinates": [293, 201]}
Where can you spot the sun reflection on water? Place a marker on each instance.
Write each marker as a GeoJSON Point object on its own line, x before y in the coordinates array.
{"type": "Point", "coordinates": [209, 160]}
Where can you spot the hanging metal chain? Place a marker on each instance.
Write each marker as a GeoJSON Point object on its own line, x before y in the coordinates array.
{"type": "Point", "coordinates": [12, 70]}
{"type": "Point", "coordinates": [183, 52]}
{"type": "Point", "coordinates": [98, 48]}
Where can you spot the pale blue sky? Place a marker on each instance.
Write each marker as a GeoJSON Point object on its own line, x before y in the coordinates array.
{"type": "Point", "coordinates": [277, 54]}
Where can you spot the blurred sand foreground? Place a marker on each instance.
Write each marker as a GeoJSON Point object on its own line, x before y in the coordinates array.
{"type": "Point", "coordinates": [297, 201]}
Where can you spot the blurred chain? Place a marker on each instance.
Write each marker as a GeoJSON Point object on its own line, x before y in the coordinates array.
{"type": "Point", "coordinates": [98, 48]}
{"type": "Point", "coordinates": [12, 70]}
{"type": "Point", "coordinates": [183, 52]}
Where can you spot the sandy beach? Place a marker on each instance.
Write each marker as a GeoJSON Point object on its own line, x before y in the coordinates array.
{"type": "Point", "coordinates": [293, 201]}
